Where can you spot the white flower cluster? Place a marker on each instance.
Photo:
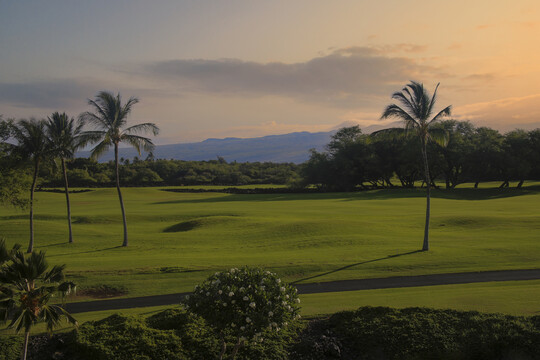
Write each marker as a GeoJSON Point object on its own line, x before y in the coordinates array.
{"type": "Point", "coordinates": [256, 299]}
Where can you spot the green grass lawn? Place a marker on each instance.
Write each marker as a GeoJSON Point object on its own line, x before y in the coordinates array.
{"type": "Point", "coordinates": [178, 239]}
{"type": "Point", "coordinates": [509, 297]}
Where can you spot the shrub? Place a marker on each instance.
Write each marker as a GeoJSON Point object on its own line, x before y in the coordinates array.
{"type": "Point", "coordinates": [127, 338]}
{"type": "Point", "coordinates": [243, 304]}
{"type": "Point", "coordinates": [10, 347]}
{"type": "Point", "coordinates": [198, 339]}
{"type": "Point", "coordinates": [420, 333]}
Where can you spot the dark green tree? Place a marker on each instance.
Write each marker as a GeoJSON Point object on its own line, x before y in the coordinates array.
{"type": "Point", "coordinates": [109, 117]}
{"type": "Point", "coordinates": [14, 181]}
{"type": "Point", "coordinates": [416, 111]}
{"type": "Point", "coordinates": [482, 164]}
{"type": "Point", "coordinates": [454, 155]}
{"type": "Point", "coordinates": [517, 157]}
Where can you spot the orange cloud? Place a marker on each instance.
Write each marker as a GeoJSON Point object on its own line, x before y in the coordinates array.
{"type": "Point", "coordinates": [484, 26]}
{"type": "Point", "coordinates": [503, 114]}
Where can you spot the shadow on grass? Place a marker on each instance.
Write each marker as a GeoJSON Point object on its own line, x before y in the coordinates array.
{"type": "Point", "coordinates": [85, 252]}
{"type": "Point", "coordinates": [379, 194]}
{"type": "Point", "coordinates": [51, 245]}
{"type": "Point", "coordinates": [353, 265]}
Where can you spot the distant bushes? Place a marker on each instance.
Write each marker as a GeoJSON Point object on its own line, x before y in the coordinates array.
{"type": "Point", "coordinates": [83, 172]}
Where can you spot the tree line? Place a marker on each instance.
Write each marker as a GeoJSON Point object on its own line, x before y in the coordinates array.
{"type": "Point", "coordinates": [470, 154]}
{"type": "Point", "coordinates": [87, 172]}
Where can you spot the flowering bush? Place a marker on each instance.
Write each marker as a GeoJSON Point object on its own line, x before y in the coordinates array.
{"type": "Point", "coordinates": [243, 303]}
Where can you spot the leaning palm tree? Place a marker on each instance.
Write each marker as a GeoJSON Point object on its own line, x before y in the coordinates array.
{"type": "Point", "coordinates": [416, 110]}
{"type": "Point", "coordinates": [110, 118]}
{"type": "Point", "coordinates": [26, 288]}
{"type": "Point", "coordinates": [32, 144]}
{"type": "Point", "coordinates": [65, 138]}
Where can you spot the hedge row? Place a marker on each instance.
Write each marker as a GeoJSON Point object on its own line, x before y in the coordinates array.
{"type": "Point", "coordinates": [367, 333]}
{"type": "Point", "coordinates": [420, 333]}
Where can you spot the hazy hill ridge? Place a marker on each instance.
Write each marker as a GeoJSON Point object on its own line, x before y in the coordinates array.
{"type": "Point", "coordinates": [293, 147]}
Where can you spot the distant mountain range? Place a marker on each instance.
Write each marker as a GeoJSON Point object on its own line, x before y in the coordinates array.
{"type": "Point", "coordinates": [293, 147]}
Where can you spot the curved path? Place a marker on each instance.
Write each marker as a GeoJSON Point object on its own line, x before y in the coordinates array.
{"type": "Point", "coordinates": [322, 287]}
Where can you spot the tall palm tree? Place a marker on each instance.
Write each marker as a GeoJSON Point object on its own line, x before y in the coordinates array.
{"type": "Point", "coordinates": [110, 118]}
{"type": "Point", "coordinates": [26, 288]}
{"type": "Point", "coordinates": [33, 145]}
{"type": "Point", "coordinates": [416, 111]}
{"type": "Point", "coordinates": [65, 138]}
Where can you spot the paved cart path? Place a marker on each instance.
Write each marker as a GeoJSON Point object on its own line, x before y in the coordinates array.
{"type": "Point", "coordinates": [323, 287]}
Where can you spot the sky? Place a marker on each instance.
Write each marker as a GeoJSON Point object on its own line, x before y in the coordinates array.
{"type": "Point", "coordinates": [213, 69]}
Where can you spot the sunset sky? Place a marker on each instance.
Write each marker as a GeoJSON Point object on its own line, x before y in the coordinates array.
{"type": "Point", "coordinates": [251, 68]}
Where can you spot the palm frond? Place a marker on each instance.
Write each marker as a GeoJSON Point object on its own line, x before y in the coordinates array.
{"type": "Point", "coordinates": [101, 148]}
{"type": "Point", "coordinates": [31, 138]}
{"type": "Point", "coordinates": [409, 105]}
{"type": "Point", "coordinates": [439, 136]}
{"type": "Point", "coordinates": [139, 142]}
{"type": "Point", "coordinates": [433, 98]}
{"type": "Point", "coordinates": [394, 110]}
{"type": "Point", "coordinates": [94, 120]}
{"type": "Point", "coordinates": [126, 109]}
{"type": "Point", "coordinates": [63, 133]}
{"type": "Point", "coordinates": [444, 112]}
{"type": "Point", "coordinates": [390, 133]}
{"type": "Point", "coordinates": [90, 137]}
{"type": "Point", "coordinates": [101, 118]}
{"type": "Point", "coordinates": [142, 128]}
{"type": "Point", "coordinates": [56, 274]}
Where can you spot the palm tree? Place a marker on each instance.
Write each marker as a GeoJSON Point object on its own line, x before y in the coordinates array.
{"type": "Point", "coordinates": [65, 138]}
{"type": "Point", "coordinates": [416, 110]}
{"type": "Point", "coordinates": [26, 288]}
{"type": "Point", "coordinates": [110, 118]}
{"type": "Point", "coordinates": [33, 145]}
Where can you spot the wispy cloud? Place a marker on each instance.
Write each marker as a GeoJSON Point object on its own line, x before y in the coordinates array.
{"type": "Point", "coordinates": [484, 26]}
{"type": "Point", "coordinates": [483, 77]}
{"type": "Point", "coordinates": [504, 114]}
{"type": "Point", "coordinates": [349, 76]}
{"type": "Point", "coordinates": [46, 94]}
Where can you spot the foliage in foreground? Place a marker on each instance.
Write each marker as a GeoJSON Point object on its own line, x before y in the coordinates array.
{"type": "Point", "coordinates": [420, 333]}
{"type": "Point", "coordinates": [26, 287]}
{"type": "Point", "coordinates": [10, 347]}
{"type": "Point", "coordinates": [242, 304]}
{"type": "Point", "coordinates": [367, 333]}
{"type": "Point", "coordinates": [173, 334]}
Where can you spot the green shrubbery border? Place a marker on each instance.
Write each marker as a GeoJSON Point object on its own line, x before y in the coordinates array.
{"type": "Point", "coordinates": [366, 333]}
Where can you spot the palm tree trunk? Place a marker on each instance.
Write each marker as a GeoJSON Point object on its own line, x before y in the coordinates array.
{"type": "Point", "coordinates": [31, 243]}
{"type": "Point", "coordinates": [66, 185]}
{"type": "Point", "coordinates": [125, 243]}
{"type": "Point", "coordinates": [25, 346]}
{"type": "Point", "coordinates": [425, 246]}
